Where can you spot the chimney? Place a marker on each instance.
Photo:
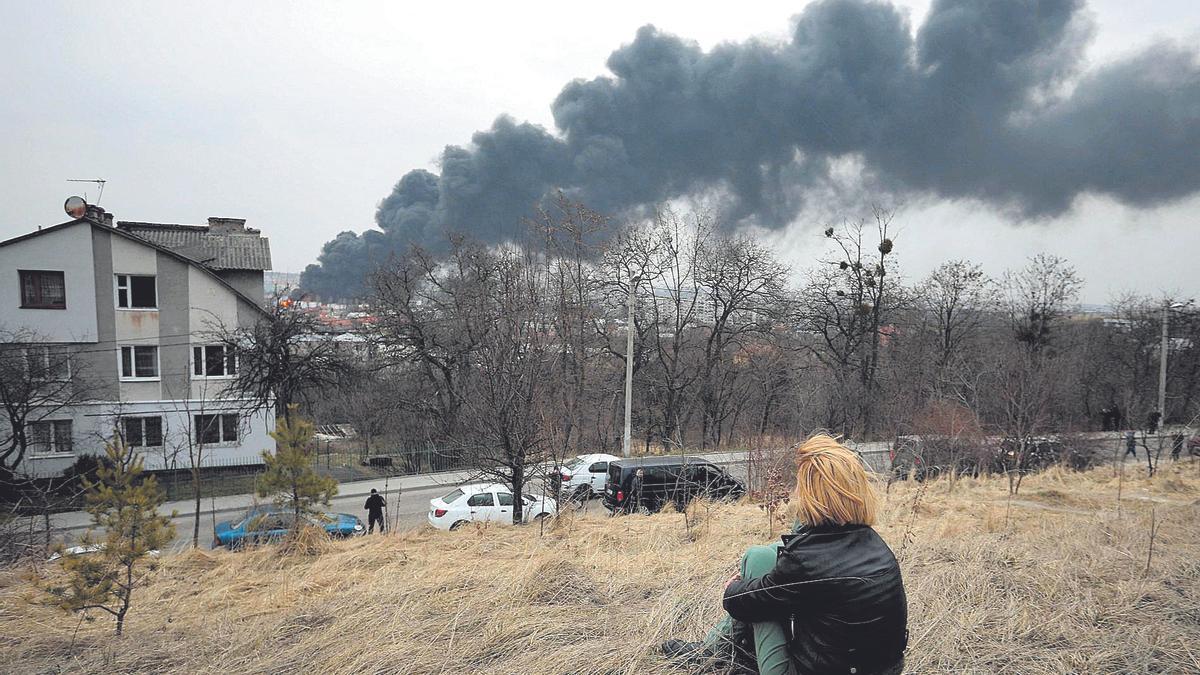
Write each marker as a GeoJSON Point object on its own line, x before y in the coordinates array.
{"type": "Point", "coordinates": [98, 215]}
{"type": "Point", "coordinates": [226, 225]}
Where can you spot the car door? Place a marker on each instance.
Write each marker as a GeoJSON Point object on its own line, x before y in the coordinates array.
{"type": "Point", "coordinates": [504, 508]}
{"type": "Point", "coordinates": [597, 473]}
{"type": "Point", "coordinates": [482, 506]}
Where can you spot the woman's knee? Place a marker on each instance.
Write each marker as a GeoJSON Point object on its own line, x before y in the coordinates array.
{"type": "Point", "coordinates": [758, 560]}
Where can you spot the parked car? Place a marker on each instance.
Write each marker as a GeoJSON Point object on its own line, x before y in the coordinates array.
{"type": "Point", "coordinates": [485, 502]}
{"type": "Point", "coordinates": [673, 480]}
{"type": "Point", "coordinates": [85, 550]}
{"type": "Point", "coordinates": [1040, 452]}
{"type": "Point", "coordinates": [263, 524]}
{"type": "Point", "coordinates": [582, 477]}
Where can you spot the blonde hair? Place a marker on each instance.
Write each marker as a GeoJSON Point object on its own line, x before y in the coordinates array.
{"type": "Point", "coordinates": [831, 486]}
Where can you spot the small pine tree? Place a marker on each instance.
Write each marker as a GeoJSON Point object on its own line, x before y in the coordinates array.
{"type": "Point", "coordinates": [125, 504]}
{"type": "Point", "coordinates": [289, 478]}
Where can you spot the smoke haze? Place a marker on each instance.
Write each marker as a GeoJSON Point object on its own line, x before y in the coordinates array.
{"type": "Point", "coordinates": [985, 101]}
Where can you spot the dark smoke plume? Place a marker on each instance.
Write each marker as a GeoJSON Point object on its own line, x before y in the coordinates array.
{"type": "Point", "coordinates": [989, 101]}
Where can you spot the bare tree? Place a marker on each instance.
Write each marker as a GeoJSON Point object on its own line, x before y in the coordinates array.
{"type": "Point", "coordinates": [957, 297]}
{"type": "Point", "coordinates": [38, 380]}
{"type": "Point", "coordinates": [282, 359]}
{"type": "Point", "coordinates": [846, 304]}
{"type": "Point", "coordinates": [503, 432]}
{"type": "Point", "coordinates": [1038, 296]}
{"type": "Point", "coordinates": [742, 285]}
{"type": "Point", "coordinates": [432, 316]}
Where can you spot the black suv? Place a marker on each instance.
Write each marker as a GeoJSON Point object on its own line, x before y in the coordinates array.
{"type": "Point", "coordinates": [675, 480]}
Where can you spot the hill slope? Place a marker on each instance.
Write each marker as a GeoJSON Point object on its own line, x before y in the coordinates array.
{"type": "Point", "coordinates": [1053, 582]}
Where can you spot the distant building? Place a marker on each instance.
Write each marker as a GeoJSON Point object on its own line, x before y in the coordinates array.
{"type": "Point", "coordinates": [136, 306]}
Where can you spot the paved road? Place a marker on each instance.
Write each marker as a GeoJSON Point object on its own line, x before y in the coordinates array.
{"type": "Point", "coordinates": [405, 510]}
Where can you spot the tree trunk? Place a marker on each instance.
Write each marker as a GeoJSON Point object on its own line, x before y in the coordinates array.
{"type": "Point", "coordinates": [196, 495]}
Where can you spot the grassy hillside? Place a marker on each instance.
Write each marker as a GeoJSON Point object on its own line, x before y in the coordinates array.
{"type": "Point", "coordinates": [1055, 581]}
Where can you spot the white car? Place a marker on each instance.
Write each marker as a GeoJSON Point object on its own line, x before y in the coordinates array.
{"type": "Point", "coordinates": [486, 502]}
{"type": "Point", "coordinates": [582, 477]}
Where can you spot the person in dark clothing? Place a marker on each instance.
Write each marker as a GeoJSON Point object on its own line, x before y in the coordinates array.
{"type": "Point", "coordinates": [1130, 444]}
{"type": "Point", "coordinates": [829, 598]}
{"type": "Point", "coordinates": [374, 506]}
{"type": "Point", "coordinates": [1176, 447]}
{"type": "Point", "coordinates": [634, 503]}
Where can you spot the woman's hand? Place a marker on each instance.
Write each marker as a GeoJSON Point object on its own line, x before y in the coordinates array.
{"type": "Point", "coordinates": [735, 577]}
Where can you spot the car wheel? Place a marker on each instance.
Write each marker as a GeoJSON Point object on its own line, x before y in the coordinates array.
{"type": "Point", "coordinates": [457, 525]}
{"type": "Point", "coordinates": [541, 516]}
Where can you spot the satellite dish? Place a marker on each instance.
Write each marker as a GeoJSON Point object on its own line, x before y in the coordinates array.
{"type": "Point", "coordinates": [75, 207]}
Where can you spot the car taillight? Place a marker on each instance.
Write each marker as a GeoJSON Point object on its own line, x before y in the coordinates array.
{"type": "Point", "coordinates": [438, 513]}
{"type": "Point", "coordinates": [620, 495]}
{"type": "Point", "coordinates": [566, 477]}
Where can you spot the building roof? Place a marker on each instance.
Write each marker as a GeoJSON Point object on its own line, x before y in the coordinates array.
{"type": "Point", "coordinates": [217, 248]}
{"type": "Point", "coordinates": [92, 220]}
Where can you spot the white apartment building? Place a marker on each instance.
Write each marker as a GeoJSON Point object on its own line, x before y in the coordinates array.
{"type": "Point", "coordinates": [135, 307]}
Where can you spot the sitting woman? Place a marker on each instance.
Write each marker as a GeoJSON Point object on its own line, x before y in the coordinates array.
{"type": "Point", "coordinates": [829, 598]}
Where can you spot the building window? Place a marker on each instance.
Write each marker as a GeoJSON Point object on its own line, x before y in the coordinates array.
{"type": "Point", "coordinates": [213, 429]}
{"type": "Point", "coordinates": [136, 292]}
{"type": "Point", "coordinates": [47, 365]}
{"type": "Point", "coordinates": [50, 436]}
{"type": "Point", "coordinates": [143, 432]}
{"type": "Point", "coordinates": [42, 290]}
{"type": "Point", "coordinates": [213, 361]}
{"type": "Point", "coordinates": [139, 362]}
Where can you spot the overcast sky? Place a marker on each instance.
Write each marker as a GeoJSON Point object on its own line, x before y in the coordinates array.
{"type": "Point", "coordinates": [300, 117]}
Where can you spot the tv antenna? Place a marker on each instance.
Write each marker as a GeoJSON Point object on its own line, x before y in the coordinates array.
{"type": "Point", "coordinates": [98, 181]}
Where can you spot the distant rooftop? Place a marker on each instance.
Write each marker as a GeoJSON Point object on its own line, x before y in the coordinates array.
{"type": "Point", "coordinates": [223, 244]}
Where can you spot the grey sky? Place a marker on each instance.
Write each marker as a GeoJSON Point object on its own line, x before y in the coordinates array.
{"type": "Point", "coordinates": [300, 118]}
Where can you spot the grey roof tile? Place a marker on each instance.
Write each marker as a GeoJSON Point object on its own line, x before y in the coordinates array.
{"type": "Point", "coordinates": [245, 250]}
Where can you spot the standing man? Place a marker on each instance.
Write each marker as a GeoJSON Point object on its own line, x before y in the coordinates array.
{"type": "Point", "coordinates": [1131, 444]}
{"type": "Point", "coordinates": [374, 507]}
{"type": "Point", "coordinates": [634, 505]}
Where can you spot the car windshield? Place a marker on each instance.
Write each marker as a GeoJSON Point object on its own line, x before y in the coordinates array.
{"type": "Point", "coordinates": [573, 464]}
{"type": "Point", "coordinates": [450, 498]}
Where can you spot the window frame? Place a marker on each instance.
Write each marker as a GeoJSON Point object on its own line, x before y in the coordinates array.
{"type": "Point", "coordinates": [39, 301]}
{"type": "Point", "coordinates": [141, 422]}
{"type": "Point", "coordinates": [491, 499]}
{"type": "Point", "coordinates": [199, 360]}
{"type": "Point", "coordinates": [52, 439]}
{"type": "Point", "coordinates": [133, 376]}
{"type": "Point", "coordinates": [124, 283]}
{"type": "Point", "coordinates": [227, 424]}
{"type": "Point", "coordinates": [43, 354]}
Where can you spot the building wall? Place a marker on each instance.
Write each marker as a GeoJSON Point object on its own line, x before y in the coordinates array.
{"type": "Point", "coordinates": [248, 282]}
{"type": "Point", "coordinates": [192, 308]}
{"type": "Point", "coordinates": [136, 326]}
{"type": "Point", "coordinates": [174, 326]}
{"type": "Point", "coordinates": [68, 250]}
{"type": "Point", "coordinates": [93, 424]}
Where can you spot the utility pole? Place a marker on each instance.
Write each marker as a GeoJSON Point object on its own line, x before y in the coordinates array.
{"type": "Point", "coordinates": [1162, 366]}
{"type": "Point", "coordinates": [629, 367]}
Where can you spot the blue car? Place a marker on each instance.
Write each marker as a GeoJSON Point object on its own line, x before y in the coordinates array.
{"type": "Point", "coordinates": [263, 524]}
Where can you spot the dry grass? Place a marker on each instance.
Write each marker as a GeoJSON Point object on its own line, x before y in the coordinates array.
{"type": "Point", "coordinates": [1053, 581]}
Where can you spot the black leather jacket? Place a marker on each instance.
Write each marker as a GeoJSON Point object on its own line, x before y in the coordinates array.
{"type": "Point", "coordinates": [839, 589]}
